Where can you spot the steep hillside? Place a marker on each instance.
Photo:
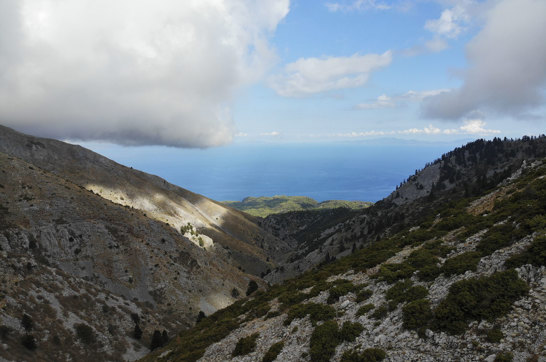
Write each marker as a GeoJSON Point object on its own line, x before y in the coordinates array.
{"type": "Point", "coordinates": [264, 206]}
{"type": "Point", "coordinates": [232, 232]}
{"type": "Point", "coordinates": [466, 171]}
{"type": "Point", "coordinates": [92, 252]}
{"type": "Point", "coordinates": [465, 280]}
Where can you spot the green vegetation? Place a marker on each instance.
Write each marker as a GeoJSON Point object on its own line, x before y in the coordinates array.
{"type": "Point", "coordinates": [494, 335]}
{"type": "Point", "coordinates": [85, 333]}
{"type": "Point", "coordinates": [368, 355]}
{"type": "Point", "coordinates": [349, 331]}
{"type": "Point", "coordinates": [363, 295]}
{"type": "Point", "coordinates": [324, 341]}
{"type": "Point", "coordinates": [245, 345]}
{"type": "Point", "coordinates": [405, 292]}
{"type": "Point", "coordinates": [380, 312]}
{"type": "Point", "coordinates": [340, 290]}
{"type": "Point", "coordinates": [264, 206]}
{"type": "Point", "coordinates": [273, 352]}
{"type": "Point", "coordinates": [416, 314]}
{"type": "Point", "coordinates": [535, 255]}
{"type": "Point", "coordinates": [476, 299]}
{"type": "Point", "coordinates": [29, 342]}
{"type": "Point", "coordinates": [504, 357]}
{"type": "Point", "coordinates": [364, 309]}
{"type": "Point", "coordinates": [316, 312]}
{"type": "Point", "coordinates": [461, 263]}
{"type": "Point", "coordinates": [252, 287]}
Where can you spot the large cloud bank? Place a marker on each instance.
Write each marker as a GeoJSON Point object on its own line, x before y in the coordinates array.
{"type": "Point", "coordinates": [131, 71]}
{"type": "Point", "coordinates": [507, 65]}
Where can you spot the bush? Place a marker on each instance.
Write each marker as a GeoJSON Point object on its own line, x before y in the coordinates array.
{"type": "Point", "coordinates": [137, 332]}
{"type": "Point", "coordinates": [461, 263]}
{"type": "Point", "coordinates": [535, 255]}
{"type": "Point", "coordinates": [363, 295]}
{"type": "Point", "coordinates": [504, 357]}
{"type": "Point", "coordinates": [273, 352]}
{"type": "Point", "coordinates": [235, 293]}
{"type": "Point", "coordinates": [416, 314]}
{"type": "Point", "coordinates": [349, 331]}
{"type": "Point", "coordinates": [340, 290]}
{"type": "Point", "coordinates": [368, 355]}
{"type": "Point", "coordinates": [380, 312]}
{"type": "Point", "coordinates": [486, 298]}
{"type": "Point", "coordinates": [29, 342]}
{"type": "Point", "coordinates": [85, 333]}
{"type": "Point", "coordinates": [316, 312]}
{"type": "Point", "coordinates": [364, 309]}
{"type": "Point", "coordinates": [324, 341]}
{"type": "Point", "coordinates": [252, 287]}
{"type": "Point", "coordinates": [394, 272]}
{"type": "Point", "coordinates": [157, 340]}
{"type": "Point", "coordinates": [245, 345]}
{"type": "Point", "coordinates": [405, 292]}
{"type": "Point", "coordinates": [494, 335]}
{"type": "Point", "coordinates": [27, 322]}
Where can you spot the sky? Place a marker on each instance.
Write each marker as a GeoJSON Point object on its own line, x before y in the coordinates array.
{"type": "Point", "coordinates": [207, 73]}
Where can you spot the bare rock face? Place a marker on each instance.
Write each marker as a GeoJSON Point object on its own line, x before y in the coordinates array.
{"type": "Point", "coordinates": [92, 251]}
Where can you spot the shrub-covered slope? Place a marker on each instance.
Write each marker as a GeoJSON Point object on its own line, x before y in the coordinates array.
{"type": "Point", "coordinates": [264, 206]}
{"type": "Point", "coordinates": [466, 280]}
{"type": "Point", "coordinates": [464, 172]}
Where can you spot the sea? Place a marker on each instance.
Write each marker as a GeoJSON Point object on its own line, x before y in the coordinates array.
{"type": "Point", "coordinates": [331, 171]}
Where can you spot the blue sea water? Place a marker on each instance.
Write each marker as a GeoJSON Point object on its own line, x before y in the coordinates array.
{"type": "Point", "coordinates": [366, 172]}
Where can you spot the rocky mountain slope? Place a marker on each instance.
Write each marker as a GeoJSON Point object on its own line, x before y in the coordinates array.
{"type": "Point", "coordinates": [460, 276]}
{"type": "Point", "coordinates": [463, 172]}
{"type": "Point", "coordinates": [264, 206]}
{"type": "Point", "coordinates": [92, 251]}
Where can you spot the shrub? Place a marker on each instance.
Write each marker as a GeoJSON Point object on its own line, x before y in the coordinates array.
{"type": "Point", "coordinates": [364, 309]}
{"type": "Point", "coordinates": [245, 345]}
{"type": "Point", "coordinates": [27, 322]}
{"type": "Point", "coordinates": [504, 357]}
{"type": "Point", "coordinates": [157, 340]}
{"type": "Point", "coordinates": [474, 299]}
{"type": "Point", "coordinates": [368, 355]}
{"type": "Point", "coordinates": [497, 237]}
{"type": "Point", "coordinates": [494, 335]}
{"type": "Point", "coordinates": [349, 331]}
{"type": "Point", "coordinates": [5, 332]}
{"type": "Point", "coordinates": [461, 263]}
{"type": "Point", "coordinates": [363, 295]}
{"type": "Point", "coordinates": [535, 255]}
{"type": "Point", "coordinates": [394, 272]}
{"type": "Point", "coordinates": [29, 342]}
{"type": "Point", "coordinates": [200, 316]}
{"type": "Point", "coordinates": [85, 333]}
{"type": "Point", "coordinates": [416, 314]}
{"type": "Point", "coordinates": [340, 290]}
{"type": "Point", "coordinates": [273, 352]}
{"type": "Point", "coordinates": [137, 332]}
{"type": "Point", "coordinates": [324, 341]}
{"type": "Point", "coordinates": [252, 287]}
{"type": "Point", "coordinates": [380, 312]}
{"type": "Point", "coordinates": [405, 292]}
{"type": "Point", "coordinates": [316, 312]}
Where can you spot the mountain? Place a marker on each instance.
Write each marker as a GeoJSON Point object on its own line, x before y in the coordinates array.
{"type": "Point", "coordinates": [264, 206]}
{"type": "Point", "coordinates": [91, 251]}
{"type": "Point", "coordinates": [451, 266]}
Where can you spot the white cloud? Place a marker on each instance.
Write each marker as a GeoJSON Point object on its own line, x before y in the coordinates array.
{"type": "Point", "coordinates": [431, 46]}
{"type": "Point", "coordinates": [507, 65]}
{"type": "Point", "coordinates": [469, 127]}
{"type": "Point", "coordinates": [308, 76]}
{"type": "Point", "coordinates": [270, 134]}
{"type": "Point", "coordinates": [420, 95]}
{"type": "Point", "coordinates": [131, 71]}
{"type": "Point", "coordinates": [383, 101]}
{"type": "Point", "coordinates": [450, 23]}
{"type": "Point", "coordinates": [476, 126]}
{"type": "Point", "coordinates": [358, 5]}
